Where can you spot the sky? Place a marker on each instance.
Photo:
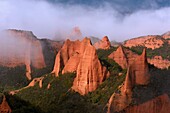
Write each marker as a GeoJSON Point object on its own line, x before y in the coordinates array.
{"type": "Point", "coordinates": [118, 19]}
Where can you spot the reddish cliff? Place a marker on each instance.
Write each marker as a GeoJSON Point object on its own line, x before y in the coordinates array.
{"type": "Point", "coordinates": [137, 74]}
{"type": "Point", "coordinates": [21, 48]}
{"type": "Point", "coordinates": [90, 72]}
{"type": "Point", "coordinates": [80, 57]}
{"type": "Point", "coordinates": [67, 54]}
{"type": "Point", "coordinates": [103, 44]}
{"type": "Point", "coordinates": [119, 57]}
{"type": "Point", "coordinates": [123, 57]}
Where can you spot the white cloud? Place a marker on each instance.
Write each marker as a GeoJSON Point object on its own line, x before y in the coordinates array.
{"type": "Point", "coordinates": [48, 20]}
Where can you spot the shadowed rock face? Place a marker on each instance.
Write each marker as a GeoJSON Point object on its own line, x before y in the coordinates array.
{"type": "Point", "coordinates": [4, 107]}
{"type": "Point", "coordinates": [103, 44]}
{"type": "Point", "coordinates": [151, 41]}
{"type": "Point", "coordinates": [137, 74]}
{"type": "Point", "coordinates": [140, 70]}
{"type": "Point", "coordinates": [160, 104]}
{"type": "Point", "coordinates": [21, 48]}
{"type": "Point", "coordinates": [80, 57]}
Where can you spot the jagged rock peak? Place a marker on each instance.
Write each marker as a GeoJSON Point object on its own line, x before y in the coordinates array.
{"type": "Point", "coordinates": [119, 57]}
{"type": "Point", "coordinates": [69, 55]}
{"type": "Point", "coordinates": [103, 44]}
{"type": "Point", "coordinates": [90, 72]}
{"type": "Point", "coordinates": [137, 74]}
{"type": "Point", "coordinates": [139, 70]}
{"type": "Point", "coordinates": [81, 57]}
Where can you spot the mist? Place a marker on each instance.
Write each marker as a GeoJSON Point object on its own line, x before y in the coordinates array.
{"type": "Point", "coordinates": [20, 48]}
{"type": "Point", "coordinates": [55, 21]}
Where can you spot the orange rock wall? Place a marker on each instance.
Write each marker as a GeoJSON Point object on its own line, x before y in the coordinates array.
{"type": "Point", "coordinates": [80, 57]}
{"type": "Point", "coordinates": [103, 44]}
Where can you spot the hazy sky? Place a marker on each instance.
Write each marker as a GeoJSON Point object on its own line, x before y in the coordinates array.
{"type": "Point", "coordinates": [118, 19]}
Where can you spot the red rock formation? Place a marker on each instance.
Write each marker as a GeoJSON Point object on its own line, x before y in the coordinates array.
{"type": "Point", "coordinates": [123, 57]}
{"type": "Point", "coordinates": [151, 41]}
{"type": "Point", "coordinates": [140, 69]}
{"type": "Point", "coordinates": [137, 74]}
{"type": "Point", "coordinates": [119, 57]}
{"type": "Point", "coordinates": [21, 48]}
{"type": "Point", "coordinates": [69, 49]}
{"type": "Point", "coordinates": [90, 72]}
{"type": "Point", "coordinates": [4, 107]}
{"type": "Point", "coordinates": [103, 44]}
{"type": "Point", "coordinates": [81, 57]}
{"type": "Point", "coordinates": [160, 104]}
{"type": "Point", "coordinates": [159, 62]}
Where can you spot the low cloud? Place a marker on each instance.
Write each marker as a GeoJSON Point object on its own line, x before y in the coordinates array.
{"type": "Point", "coordinates": [48, 20]}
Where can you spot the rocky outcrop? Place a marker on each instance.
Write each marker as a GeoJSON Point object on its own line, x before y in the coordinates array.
{"type": "Point", "coordinates": [166, 35]}
{"type": "Point", "coordinates": [103, 44]}
{"type": "Point", "coordinates": [150, 41]}
{"type": "Point", "coordinates": [80, 57]}
{"type": "Point", "coordinates": [35, 81]}
{"type": "Point", "coordinates": [70, 49]}
{"type": "Point", "coordinates": [21, 48]}
{"type": "Point", "coordinates": [159, 62]}
{"type": "Point", "coordinates": [119, 57]}
{"type": "Point", "coordinates": [90, 72]}
{"type": "Point", "coordinates": [4, 107]}
{"type": "Point", "coordinates": [160, 104]}
{"type": "Point", "coordinates": [123, 57]}
{"type": "Point", "coordinates": [137, 74]}
{"type": "Point", "coordinates": [138, 71]}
